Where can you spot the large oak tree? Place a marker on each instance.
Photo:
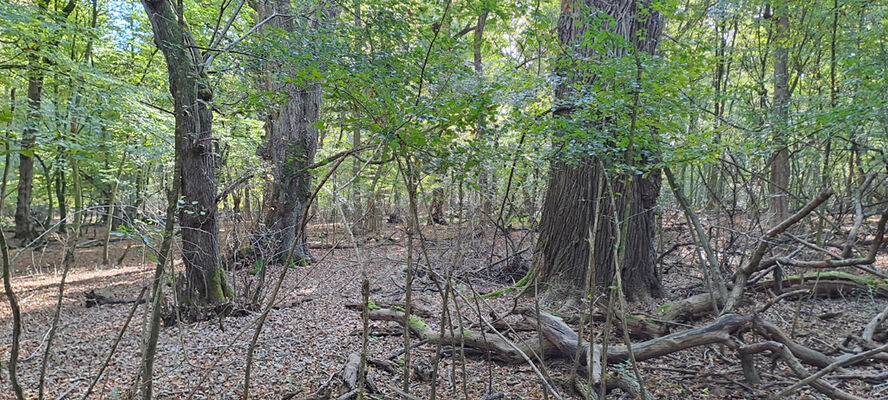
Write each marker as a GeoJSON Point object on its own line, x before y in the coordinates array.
{"type": "Point", "coordinates": [593, 31]}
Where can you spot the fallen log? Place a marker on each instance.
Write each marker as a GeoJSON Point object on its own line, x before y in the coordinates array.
{"type": "Point", "coordinates": [782, 351]}
{"type": "Point", "coordinates": [830, 284]}
{"type": "Point", "coordinates": [870, 330]}
{"type": "Point", "coordinates": [104, 297]}
{"type": "Point", "coordinates": [493, 344]}
{"type": "Point", "coordinates": [690, 308]}
{"type": "Point", "coordinates": [561, 341]}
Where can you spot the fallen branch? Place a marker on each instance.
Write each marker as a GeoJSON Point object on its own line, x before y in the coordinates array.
{"type": "Point", "coordinates": [832, 367]}
{"type": "Point", "coordinates": [755, 261]}
{"type": "Point", "coordinates": [783, 352]}
{"type": "Point", "coordinates": [870, 330]}
{"type": "Point", "coordinates": [100, 298]}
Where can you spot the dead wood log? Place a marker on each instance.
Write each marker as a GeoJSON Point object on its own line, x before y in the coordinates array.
{"type": "Point", "coordinates": [869, 331]}
{"type": "Point", "coordinates": [103, 297]}
{"type": "Point", "coordinates": [782, 351]}
{"type": "Point", "coordinates": [498, 348]}
{"type": "Point", "coordinates": [804, 353]}
{"type": "Point", "coordinates": [561, 341]}
{"type": "Point", "coordinates": [350, 376]}
{"type": "Point", "coordinates": [385, 365]}
{"type": "Point", "coordinates": [416, 309]}
{"type": "Point", "coordinates": [350, 372]}
{"type": "Point", "coordinates": [690, 308]}
{"type": "Point", "coordinates": [830, 284]}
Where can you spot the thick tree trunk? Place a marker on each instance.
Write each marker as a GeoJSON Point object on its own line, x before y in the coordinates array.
{"type": "Point", "coordinates": [562, 253]}
{"type": "Point", "coordinates": [205, 279]}
{"type": "Point", "coordinates": [290, 145]}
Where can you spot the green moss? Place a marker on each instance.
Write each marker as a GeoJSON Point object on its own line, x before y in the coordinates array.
{"type": "Point", "coordinates": [498, 293]}
{"type": "Point", "coordinates": [632, 317]}
{"type": "Point", "coordinates": [466, 332]}
{"type": "Point", "coordinates": [372, 306]}
{"type": "Point", "coordinates": [416, 323]}
{"type": "Point", "coordinates": [838, 274]}
{"type": "Point", "coordinates": [523, 282]}
{"type": "Point", "coordinates": [217, 288]}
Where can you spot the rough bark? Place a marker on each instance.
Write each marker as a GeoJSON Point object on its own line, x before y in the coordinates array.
{"type": "Point", "coordinates": [192, 98]}
{"type": "Point", "coordinates": [562, 251]}
{"type": "Point", "coordinates": [291, 141]}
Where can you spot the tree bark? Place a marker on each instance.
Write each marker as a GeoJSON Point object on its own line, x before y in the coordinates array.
{"type": "Point", "coordinates": [192, 98]}
{"type": "Point", "coordinates": [291, 142]}
{"type": "Point", "coordinates": [779, 180]}
{"type": "Point", "coordinates": [562, 250]}
{"type": "Point", "coordinates": [24, 227]}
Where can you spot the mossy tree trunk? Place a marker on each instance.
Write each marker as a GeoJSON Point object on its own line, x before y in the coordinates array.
{"type": "Point", "coordinates": [291, 141]}
{"type": "Point", "coordinates": [192, 98]}
{"type": "Point", "coordinates": [562, 252]}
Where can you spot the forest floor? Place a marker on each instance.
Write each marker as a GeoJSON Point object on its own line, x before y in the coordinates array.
{"type": "Point", "coordinates": [311, 331]}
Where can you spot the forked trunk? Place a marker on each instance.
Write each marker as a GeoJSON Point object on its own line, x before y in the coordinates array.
{"type": "Point", "coordinates": [192, 98]}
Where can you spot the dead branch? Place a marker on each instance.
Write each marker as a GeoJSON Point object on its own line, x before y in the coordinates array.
{"type": "Point", "coordinates": [562, 341]}
{"type": "Point", "coordinates": [101, 298]}
{"type": "Point", "coordinates": [848, 360]}
{"type": "Point", "coordinates": [755, 261]}
{"type": "Point", "coordinates": [806, 354]}
{"type": "Point", "coordinates": [780, 350]}
{"type": "Point", "coordinates": [497, 347]}
{"type": "Point", "coordinates": [870, 330]}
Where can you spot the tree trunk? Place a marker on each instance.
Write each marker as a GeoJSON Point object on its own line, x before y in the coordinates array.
{"type": "Point", "coordinates": [481, 125]}
{"type": "Point", "coordinates": [205, 279]}
{"type": "Point", "coordinates": [290, 145]}
{"type": "Point", "coordinates": [23, 225]}
{"type": "Point", "coordinates": [60, 195]}
{"type": "Point", "coordinates": [780, 161]}
{"type": "Point", "coordinates": [562, 253]}
{"type": "Point", "coordinates": [8, 155]}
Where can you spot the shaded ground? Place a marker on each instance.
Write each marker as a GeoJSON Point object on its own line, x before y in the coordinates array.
{"type": "Point", "coordinates": [308, 337]}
